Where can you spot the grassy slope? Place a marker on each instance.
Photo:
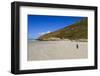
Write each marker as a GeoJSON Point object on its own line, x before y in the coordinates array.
{"type": "Point", "coordinates": [78, 30]}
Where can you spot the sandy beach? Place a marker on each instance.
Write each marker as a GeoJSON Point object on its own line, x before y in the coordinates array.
{"type": "Point", "coordinates": [49, 50]}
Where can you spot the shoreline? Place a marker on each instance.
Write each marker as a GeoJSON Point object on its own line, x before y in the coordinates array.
{"type": "Point", "coordinates": [79, 40]}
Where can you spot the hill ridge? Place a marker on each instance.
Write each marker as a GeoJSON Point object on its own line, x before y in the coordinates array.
{"type": "Point", "coordinates": [74, 31]}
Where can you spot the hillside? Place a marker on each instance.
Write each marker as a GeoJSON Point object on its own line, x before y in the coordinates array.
{"type": "Point", "coordinates": [78, 30]}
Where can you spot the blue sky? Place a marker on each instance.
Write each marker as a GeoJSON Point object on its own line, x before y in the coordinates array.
{"type": "Point", "coordinates": [42, 24]}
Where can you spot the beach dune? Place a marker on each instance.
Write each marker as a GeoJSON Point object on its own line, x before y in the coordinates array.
{"type": "Point", "coordinates": [53, 50]}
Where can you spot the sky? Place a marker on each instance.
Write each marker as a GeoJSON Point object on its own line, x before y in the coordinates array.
{"type": "Point", "coordinates": [42, 24]}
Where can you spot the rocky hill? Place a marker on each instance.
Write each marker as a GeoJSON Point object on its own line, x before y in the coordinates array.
{"type": "Point", "coordinates": [78, 30]}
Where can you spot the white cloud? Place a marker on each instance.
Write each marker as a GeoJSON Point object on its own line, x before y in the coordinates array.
{"type": "Point", "coordinates": [42, 33]}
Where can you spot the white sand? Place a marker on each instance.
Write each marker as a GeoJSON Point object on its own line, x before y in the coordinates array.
{"type": "Point", "coordinates": [48, 50]}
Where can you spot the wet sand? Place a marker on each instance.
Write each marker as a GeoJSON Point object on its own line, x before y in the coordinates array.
{"type": "Point", "coordinates": [53, 50]}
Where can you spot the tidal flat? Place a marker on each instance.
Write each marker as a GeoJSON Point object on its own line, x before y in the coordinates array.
{"type": "Point", "coordinates": [54, 50]}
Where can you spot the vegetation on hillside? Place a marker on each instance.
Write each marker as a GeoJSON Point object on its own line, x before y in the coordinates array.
{"type": "Point", "coordinates": [78, 30]}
